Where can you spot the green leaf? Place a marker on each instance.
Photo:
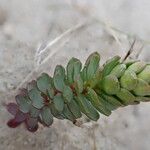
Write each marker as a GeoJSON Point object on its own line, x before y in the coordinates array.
{"type": "Point", "coordinates": [114, 101]}
{"type": "Point", "coordinates": [67, 94]}
{"type": "Point", "coordinates": [73, 69]}
{"type": "Point", "coordinates": [110, 84]}
{"type": "Point", "coordinates": [44, 83]}
{"type": "Point", "coordinates": [137, 67]}
{"type": "Point", "coordinates": [78, 84]}
{"type": "Point", "coordinates": [34, 112]}
{"type": "Point", "coordinates": [60, 70]}
{"type": "Point", "coordinates": [87, 108]}
{"type": "Point", "coordinates": [59, 77]}
{"type": "Point", "coordinates": [24, 103]}
{"type": "Point", "coordinates": [130, 62]}
{"type": "Point", "coordinates": [51, 93]}
{"type": "Point", "coordinates": [56, 113]}
{"type": "Point", "coordinates": [58, 102]}
{"type": "Point", "coordinates": [74, 108]}
{"type": "Point", "coordinates": [70, 68]}
{"type": "Point", "coordinates": [142, 88]}
{"type": "Point", "coordinates": [129, 80]}
{"type": "Point", "coordinates": [83, 74]}
{"type": "Point", "coordinates": [96, 102]}
{"type": "Point", "coordinates": [145, 74]}
{"type": "Point", "coordinates": [59, 82]}
{"type": "Point", "coordinates": [107, 105]}
{"type": "Point", "coordinates": [92, 64]}
{"type": "Point", "coordinates": [68, 114]}
{"type": "Point", "coordinates": [110, 64]}
{"type": "Point", "coordinates": [47, 117]}
{"type": "Point", "coordinates": [125, 96]}
{"type": "Point", "coordinates": [119, 70]}
{"type": "Point", "coordinates": [36, 98]}
{"type": "Point", "coordinates": [76, 69]}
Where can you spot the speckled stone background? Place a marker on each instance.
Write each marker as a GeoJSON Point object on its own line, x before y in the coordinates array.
{"type": "Point", "coordinates": [108, 27]}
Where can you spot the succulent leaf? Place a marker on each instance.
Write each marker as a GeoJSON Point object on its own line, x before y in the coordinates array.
{"type": "Point", "coordinates": [46, 115]}
{"type": "Point", "coordinates": [68, 114]}
{"type": "Point", "coordinates": [119, 70]}
{"type": "Point", "coordinates": [76, 69]}
{"type": "Point", "coordinates": [12, 108]}
{"type": "Point", "coordinates": [36, 98]}
{"type": "Point", "coordinates": [107, 105]}
{"type": "Point", "coordinates": [111, 99]}
{"type": "Point", "coordinates": [110, 64]}
{"type": "Point", "coordinates": [92, 64]}
{"type": "Point", "coordinates": [24, 103]}
{"type": "Point", "coordinates": [67, 94]}
{"type": "Point", "coordinates": [137, 67]}
{"type": "Point", "coordinates": [78, 84]}
{"type": "Point", "coordinates": [96, 102]}
{"type": "Point", "coordinates": [145, 74]}
{"type": "Point", "coordinates": [87, 108]}
{"type": "Point", "coordinates": [44, 83]}
{"type": "Point", "coordinates": [142, 89]}
{"type": "Point", "coordinates": [51, 93]}
{"type": "Point", "coordinates": [34, 112]}
{"type": "Point", "coordinates": [83, 74]}
{"type": "Point", "coordinates": [74, 108]}
{"type": "Point", "coordinates": [73, 69]}
{"type": "Point", "coordinates": [129, 80]}
{"type": "Point", "coordinates": [32, 124]}
{"type": "Point", "coordinates": [110, 84]}
{"type": "Point", "coordinates": [58, 102]}
{"type": "Point", "coordinates": [55, 112]}
{"type": "Point", "coordinates": [125, 96]}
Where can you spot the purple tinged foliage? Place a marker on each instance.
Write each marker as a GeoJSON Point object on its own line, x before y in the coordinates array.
{"type": "Point", "coordinates": [20, 117]}
{"type": "Point", "coordinates": [31, 124]}
{"type": "Point", "coordinates": [25, 112]}
{"type": "Point", "coordinates": [12, 108]}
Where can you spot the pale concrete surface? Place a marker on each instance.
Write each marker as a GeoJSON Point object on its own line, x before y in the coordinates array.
{"type": "Point", "coordinates": [26, 24]}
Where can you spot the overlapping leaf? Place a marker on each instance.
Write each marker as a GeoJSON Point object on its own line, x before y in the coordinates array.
{"type": "Point", "coordinates": [90, 90]}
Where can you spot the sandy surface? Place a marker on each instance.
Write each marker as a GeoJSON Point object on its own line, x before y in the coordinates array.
{"type": "Point", "coordinates": [85, 26]}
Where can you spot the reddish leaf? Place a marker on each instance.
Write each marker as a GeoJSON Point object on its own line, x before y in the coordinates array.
{"type": "Point", "coordinates": [17, 120]}
{"type": "Point", "coordinates": [13, 123]}
{"type": "Point", "coordinates": [32, 124]}
{"type": "Point", "coordinates": [20, 117]}
{"type": "Point", "coordinates": [12, 108]}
